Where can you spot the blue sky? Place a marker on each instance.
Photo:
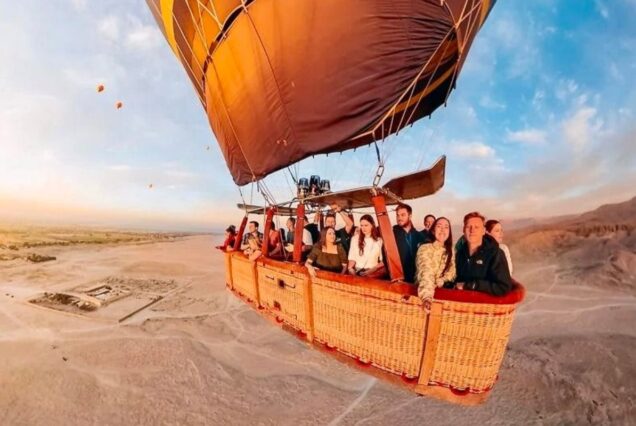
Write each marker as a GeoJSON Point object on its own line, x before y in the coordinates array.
{"type": "Point", "coordinates": [541, 123]}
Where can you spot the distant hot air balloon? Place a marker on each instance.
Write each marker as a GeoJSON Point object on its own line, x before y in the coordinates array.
{"type": "Point", "coordinates": [323, 75]}
{"type": "Point", "coordinates": [100, 88]}
{"type": "Point", "coordinates": [119, 104]}
{"type": "Point", "coordinates": [150, 186]}
{"type": "Point", "coordinates": [207, 148]}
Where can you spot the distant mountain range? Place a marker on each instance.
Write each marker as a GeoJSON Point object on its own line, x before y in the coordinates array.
{"type": "Point", "coordinates": [594, 248]}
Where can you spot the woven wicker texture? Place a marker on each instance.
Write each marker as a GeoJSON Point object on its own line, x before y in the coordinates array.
{"type": "Point", "coordinates": [227, 257]}
{"type": "Point", "coordinates": [283, 293]}
{"type": "Point", "coordinates": [244, 276]}
{"type": "Point", "coordinates": [376, 326]}
{"type": "Point", "coordinates": [471, 344]}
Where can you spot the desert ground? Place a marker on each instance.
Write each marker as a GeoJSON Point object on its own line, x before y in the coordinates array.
{"type": "Point", "coordinates": [183, 350]}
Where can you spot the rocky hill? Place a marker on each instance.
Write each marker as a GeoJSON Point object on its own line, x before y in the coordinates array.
{"type": "Point", "coordinates": [594, 248]}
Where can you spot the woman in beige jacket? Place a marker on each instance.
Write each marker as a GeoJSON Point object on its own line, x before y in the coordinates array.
{"type": "Point", "coordinates": [435, 262]}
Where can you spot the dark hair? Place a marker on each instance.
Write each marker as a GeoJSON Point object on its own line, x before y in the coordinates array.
{"type": "Point", "coordinates": [231, 229]}
{"type": "Point", "coordinates": [427, 216]}
{"type": "Point", "coordinates": [293, 220]}
{"type": "Point", "coordinates": [490, 224]}
{"type": "Point", "coordinates": [255, 223]}
{"type": "Point", "coordinates": [401, 206]}
{"type": "Point", "coordinates": [374, 232]}
{"type": "Point", "coordinates": [330, 215]}
{"type": "Point", "coordinates": [272, 226]}
{"type": "Point", "coordinates": [448, 244]}
{"type": "Point", "coordinates": [323, 236]}
{"type": "Point", "coordinates": [472, 215]}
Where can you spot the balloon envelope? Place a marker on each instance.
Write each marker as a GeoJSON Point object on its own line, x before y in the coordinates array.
{"type": "Point", "coordinates": [281, 80]}
{"type": "Point", "coordinates": [100, 88]}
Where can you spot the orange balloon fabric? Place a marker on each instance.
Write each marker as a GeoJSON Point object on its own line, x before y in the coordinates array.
{"type": "Point", "coordinates": [281, 80]}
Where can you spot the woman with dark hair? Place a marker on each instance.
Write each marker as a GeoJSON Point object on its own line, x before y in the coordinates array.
{"type": "Point", "coordinates": [365, 252]}
{"type": "Point", "coordinates": [495, 230]}
{"type": "Point", "coordinates": [230, 237]}
{"type": "Point", "coordinates": [327, 254]}
{"type": "Point", "coordinates": [435, 262]}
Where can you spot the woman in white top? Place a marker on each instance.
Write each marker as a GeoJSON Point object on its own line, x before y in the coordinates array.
{"type": "Point", "coordinates": [495, 230]}
{"type": "Point", "coordinates": [365, 252]}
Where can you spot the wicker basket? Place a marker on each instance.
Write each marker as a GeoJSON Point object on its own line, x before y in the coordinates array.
{"type": "Point", "coordinates": [284, 293]}
{"type": "Point", "coordinates": [227, 257]}
{"type": "Point", "coordinates": [371, 324]}
{"type": "Point", "coordinates": [453, 353]}
{"type": "Point", "coordinates": [244, 277]}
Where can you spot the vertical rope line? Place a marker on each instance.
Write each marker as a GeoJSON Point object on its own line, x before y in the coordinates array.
{"type": "Point", "coordinates": [469, 14]}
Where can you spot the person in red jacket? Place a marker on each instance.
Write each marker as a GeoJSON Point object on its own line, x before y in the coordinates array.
{"type": "Point", "coordinates": [230, 237]}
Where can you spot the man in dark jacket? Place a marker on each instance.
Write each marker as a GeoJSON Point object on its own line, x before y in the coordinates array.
{"type": "Point", "coordinates": [408, 240]}
{"type": "Point", "coordinates": [480, 263]}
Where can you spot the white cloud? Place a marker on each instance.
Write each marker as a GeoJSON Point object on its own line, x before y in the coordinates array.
{"type": "Point", "coordinates": [472, 150]}
{"type": "Point", "coordinates": [565, 89]}
{"type": "Point", "coordinates": [109, 28]}
{"type": "Point", "coordinates": [119, 168]}
{"type": "Point", "coordinates": [487, 101]}
{"type": "Point", "coordinates": [144, 37]}
{"type": "Point", "coordinates": [579, 130]}
{"type": "Point", "coordinates": [79, 4]}
{"type": "Point", "coordinates": [602, 9]}
{"type": "Point", "coordinates": [528, 136]}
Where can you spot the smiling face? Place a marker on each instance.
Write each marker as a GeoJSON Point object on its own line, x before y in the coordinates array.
{"type": "Point", "coordinates": [497, 233]}
{"type": "Point", "coordinates": [442, 230]}
{"type": "Point", "coordinates": [402, 217]}
{"type": "Point", "coordinates": [330, 221]}
{"type": "Point", "coordinates": [365, 227]}
{"type": "Point", "coordinates": [474, 231]}
{"type": "Point", "coordinates": [252, 228]}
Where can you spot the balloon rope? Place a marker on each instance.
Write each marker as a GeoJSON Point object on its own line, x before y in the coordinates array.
{"type": "Point", "coordinates": [460, 49]}
{"type": "Point", "coordinates": [212, 13]}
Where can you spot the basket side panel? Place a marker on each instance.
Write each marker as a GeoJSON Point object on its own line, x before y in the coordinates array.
{"type": "Point", "coordinates": [283, 293]}
{"type": "Point", "coordinates": [383, 328]}
{"type": "Point", "coordinates": [471, 344]}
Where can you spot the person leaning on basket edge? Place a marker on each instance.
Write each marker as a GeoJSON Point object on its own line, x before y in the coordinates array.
{"type": "Point", "coordinates": [481, 264]}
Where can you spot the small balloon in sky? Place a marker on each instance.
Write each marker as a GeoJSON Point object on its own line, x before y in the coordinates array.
{"type": "Point", "coordinates": [150, 186]}
{"type": "Point", "coordinates": [100, 88]}
{"type": "Point", "coordinates": [119, 104]}
{"type": "Point", "coordinates": [207, 148]}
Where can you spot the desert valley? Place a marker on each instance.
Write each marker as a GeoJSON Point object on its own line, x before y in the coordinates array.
{"type": "Point", "coordinates": [166, 343]}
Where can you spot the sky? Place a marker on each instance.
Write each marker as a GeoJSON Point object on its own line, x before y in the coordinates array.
{"type": "Point", "coordinates": [542, 122]}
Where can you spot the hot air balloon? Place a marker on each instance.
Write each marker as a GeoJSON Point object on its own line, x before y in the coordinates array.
{"type": "Point", "coordinates": [119, 104]}
{"type": "Point", "coordinates": [284, 80]}
{"type": "Point", "coordinates": [150, 186]}
{"type": "Point", "coordinates": [100, 88]}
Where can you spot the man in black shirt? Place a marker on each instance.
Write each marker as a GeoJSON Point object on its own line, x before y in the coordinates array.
{"type": "Point", "coordinates": [481, 264]}
{"type": "Point", "coordinates": [408, 240]}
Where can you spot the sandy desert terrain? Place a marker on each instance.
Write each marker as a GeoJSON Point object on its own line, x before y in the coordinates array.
{"type": "Point", "coordinates": [194, 354]}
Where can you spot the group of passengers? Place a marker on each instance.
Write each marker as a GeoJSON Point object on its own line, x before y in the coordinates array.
{"type": "Point", "coordinates": [479, 260]}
